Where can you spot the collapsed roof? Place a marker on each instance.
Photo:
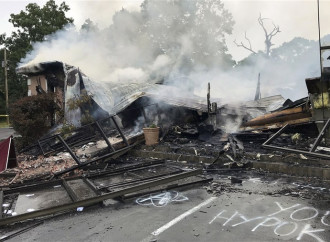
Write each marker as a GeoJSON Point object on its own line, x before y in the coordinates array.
{"type": "Point", "coordinates": [112, 97]}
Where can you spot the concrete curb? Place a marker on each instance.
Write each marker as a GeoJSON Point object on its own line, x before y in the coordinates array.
{"type": "Point", "coordinates": [295, 170]}
{"type": "Point", "coordinates": [289, 164]}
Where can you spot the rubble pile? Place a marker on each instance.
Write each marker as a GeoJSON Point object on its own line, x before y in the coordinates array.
{"type": "Point", "coordinates": [31, 168]}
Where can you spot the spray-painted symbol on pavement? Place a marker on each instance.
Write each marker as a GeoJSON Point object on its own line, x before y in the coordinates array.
{"type": "Point", "coordinates": [162, 199]}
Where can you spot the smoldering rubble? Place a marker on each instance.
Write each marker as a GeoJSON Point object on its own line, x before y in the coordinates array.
{"type": "Point", "coordinates": [202, 142]}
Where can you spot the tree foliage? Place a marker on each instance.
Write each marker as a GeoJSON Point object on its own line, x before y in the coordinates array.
{"type": "Point", "coordinates": [32, 116]}
{"type": "Point", "coordinates": [32, 25]}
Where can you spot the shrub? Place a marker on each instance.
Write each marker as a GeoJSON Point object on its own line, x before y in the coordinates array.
{"type": "Point", "coordinates": [32, 116]}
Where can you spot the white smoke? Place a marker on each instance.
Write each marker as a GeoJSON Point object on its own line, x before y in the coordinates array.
{"type": "Point", "coordinates": [134, 49]}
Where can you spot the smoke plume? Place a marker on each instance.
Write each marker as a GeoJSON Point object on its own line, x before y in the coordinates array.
{"type": "Point", "coordinates": [181, 43]}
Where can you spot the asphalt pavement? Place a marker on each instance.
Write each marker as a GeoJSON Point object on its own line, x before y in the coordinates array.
{"type": "Point", "coordinates": [256, 210]}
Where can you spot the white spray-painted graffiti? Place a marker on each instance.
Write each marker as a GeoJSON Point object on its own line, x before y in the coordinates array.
{"type": "Point", "coordinates": [301, 186]}
{"type": "Point", "coordinates": [297, 221]}
{"type": "Point", "coordinates": [162, 199]}
{"type": "Point", "coordinates": [308, 186]}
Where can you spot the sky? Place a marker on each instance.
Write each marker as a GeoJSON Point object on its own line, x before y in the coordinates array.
{"type": "Point", "coordinates": [296, 18]}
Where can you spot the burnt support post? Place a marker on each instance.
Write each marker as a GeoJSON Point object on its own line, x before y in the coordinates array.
{"type": "Point", "coordinates": [99, 128]}
{"type": "Point", "coordinates": [208, 98]}
{"type": "Point", "coordinates": [319, 138]}
{"type": "Point", "coordinates": [119, 130]}
{"type": "Point", "coordinates": [69, 150]}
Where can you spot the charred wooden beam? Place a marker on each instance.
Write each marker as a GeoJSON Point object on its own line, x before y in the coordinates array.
{"type": "Point", "coordinates": [303, 121]}
{"type": "Point", "coordinates": [297, 113]}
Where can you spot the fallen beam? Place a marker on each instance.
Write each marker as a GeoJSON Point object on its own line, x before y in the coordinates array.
{"type": "Point", "coordinates": [204, 180]}
{"type": "Point", "coordinates": [21, 231]}
{"type": "Point", "coordinates": [97, 199]}
{"type": "Point", "coordinates": [280, 116]}
{"type": "Point", "coordinates": [302, 121]}
{"type": "Point", "coordinates": [38, 185]}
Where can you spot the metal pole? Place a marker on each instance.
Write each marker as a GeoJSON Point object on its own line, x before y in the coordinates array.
{"type": "Point", "coordinates": [6, 83]}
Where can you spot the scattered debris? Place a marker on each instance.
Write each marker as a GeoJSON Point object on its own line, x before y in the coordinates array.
{"type": "Point", "coordinates": [106, 160]}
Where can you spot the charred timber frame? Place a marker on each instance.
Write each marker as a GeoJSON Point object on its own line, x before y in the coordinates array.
{"type": "Point", "coordinates": [309, 153]}
{"type": "Point", "coordinates": [31, 186]}
{"type": "Point", "coordinates": [99, 128]}
{"type": "Point", "coordinates": [97, 199]}
{"type": "Point", "coordinates": [95, 125]}
{"type": "Point", "coordinates": [110, 155]}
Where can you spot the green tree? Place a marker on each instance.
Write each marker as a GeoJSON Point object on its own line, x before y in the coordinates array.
{"type": "Point", "coordinates": [32, 25]}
